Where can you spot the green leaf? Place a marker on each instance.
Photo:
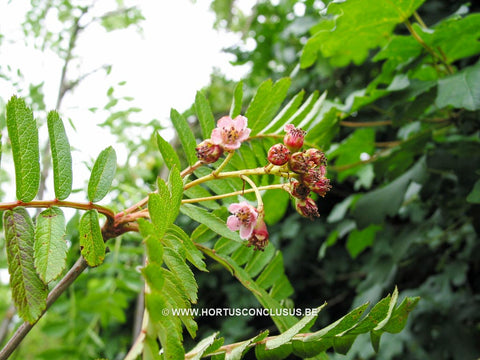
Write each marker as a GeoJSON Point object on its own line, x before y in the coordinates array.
{"type": "Point", "coordinates": [23, 134]}
{"type": "Point", "coordinates": [168, 327]}
{"type": "Point", "coordinates": [211, 221]}
{"type": "Point", "coordinates": [204, 114]}
{"type": "Point", "coordinates": [158, 207]}
{"type": "Point", "coordinates": [29, 293]}
{"type": "Point", "coordinates": [279, 353]}
{"type": "Point", "coordinates": [92, 246]}
{"type": "Point", "coordinates": [272, 272]}
{"type": "Point", "coordinates": [240, 349]}
{"type": "Point", "coordinates": [283, 322]}
{"type": "Point", "coordinates": [350, 151]}
{"type": "Point", "coordinates": [461, 90]}
{"type": "Point", "coordinates": [341, 325]}
{"type": "Point", "coordinates": [344, 35]}
{"type": "Point", "coordinates": [359, 240]}
{"type": "Point", "coordinates": [277, 202]}
{"type": "Point", "coordinates": [61, 156]}
{"type": "Point", "coordinates": [259, 260]}
{"type": "Point", "coordinates": [153, 274]}
{"type": "Point", "coordinates": [373, 207]}
{"type": "Point", "coordinates": [50, 245]}
{"type": "Point", "coordinates": [399, 317]}
{"type": "Point", "coordinates": [175, 186]}
{"type": "Point", "coordinates": [265, 103]}
{"type": "Point", "coordinates": [286, 113]}
{"type": "Point", "coordinates": [168, 153]}
{"type": "Point", "coordinates": [185, 135]}
{"type": "Point", "coordinates": [325, 129]}
{"type": "Point", "coordinates": [294, 330]}
{"type": "Point", "coordinates": [282, 288]}
{"type": "Point", "coordinates": [193, 255]}
{"type": "Point", "coordinates": [237, 102]}
{"type": "Point", "coordinates": [173, 290]}
{"type": "Point", "coordinates": [183, 273]}
{"type": "Point", "coordinates": [102, 175]}
{"type": "Point", "coordinates": [474, 195]}
{"type": "Point", "coordinates": [202, 347]}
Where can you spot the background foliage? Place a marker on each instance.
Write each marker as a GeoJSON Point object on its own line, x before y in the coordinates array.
{"type": "Point", "coordinates": [400, 124]}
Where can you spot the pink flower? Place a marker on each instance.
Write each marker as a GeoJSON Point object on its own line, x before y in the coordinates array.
{"type": "Point", "coordinates": [230, 133]}
{"type": "Point", "coordinates": [244, 218]}
{"type": "Point", "coordinates": [259, 237]}
{"type": "Point", "coordinates": [294, 137]}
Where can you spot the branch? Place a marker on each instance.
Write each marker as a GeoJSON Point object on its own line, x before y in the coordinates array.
{"type": "Point", "coordinates": [79, 266]}
{"type": "Point", "coordinates": [70, 204]}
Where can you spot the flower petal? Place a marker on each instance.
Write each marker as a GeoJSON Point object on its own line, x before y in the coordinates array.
{"type": "Point", "coordinates": [225, 122]}
{"type": "Point", "coordinates": [246, 231]}
{"type": "Point", "coordinates": [216, 136]}
{"type": "Point", "coordinates": [240, 122]}
{"type": "Point", "coordinates": [233, 223]}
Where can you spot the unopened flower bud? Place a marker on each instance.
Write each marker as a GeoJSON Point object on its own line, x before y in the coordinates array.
{"type": "Point", "coordinates": [208, 152]}
{"type": "Point", "coordinates": [307, 208]}
{"type": "Point", "coordinates": [298, 163]}
{"type": "Point", "coordinates": [315, 157]}
{"type": "Point", "coordinates": [259, 237]}
{"type": "Point", "coordinates": [294, 137]}
{"type": "Point", "coordinates": [278, 154]}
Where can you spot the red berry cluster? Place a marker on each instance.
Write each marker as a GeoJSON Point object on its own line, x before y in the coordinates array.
{"type": "Point", "coordinates": [310, 165]}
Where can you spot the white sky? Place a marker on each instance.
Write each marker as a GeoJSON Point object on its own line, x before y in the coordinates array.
{"type": "Point", "coordinates": [163, 67]}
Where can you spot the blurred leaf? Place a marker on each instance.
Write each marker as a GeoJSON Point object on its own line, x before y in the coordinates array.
{"type": "Point", "coordinates": [236, 107]}
{"type": "Point", "coordinates": [359, 240]}
{"type": "Point", "coordinates": [343, 36]}
{"type": "Point", "coordinates": [373, 207]}
{"type": "Point", "coordinates": [461, 90]}
{"type": "Point", "coordinates": [474, 195]}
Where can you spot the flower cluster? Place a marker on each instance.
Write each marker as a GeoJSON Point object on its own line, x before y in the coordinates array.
{"type": "Point", "coordinates": [227, 136]}
{"type": "Point", "coordinates": [309, 165]}
{"type": "Point", "coordinates": [306, 171]}
{"type": "Point", "coordinates": [250, 222]}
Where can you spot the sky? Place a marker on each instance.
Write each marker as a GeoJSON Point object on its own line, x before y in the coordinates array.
{"type": "Point", "coordinates": [163, 67]}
